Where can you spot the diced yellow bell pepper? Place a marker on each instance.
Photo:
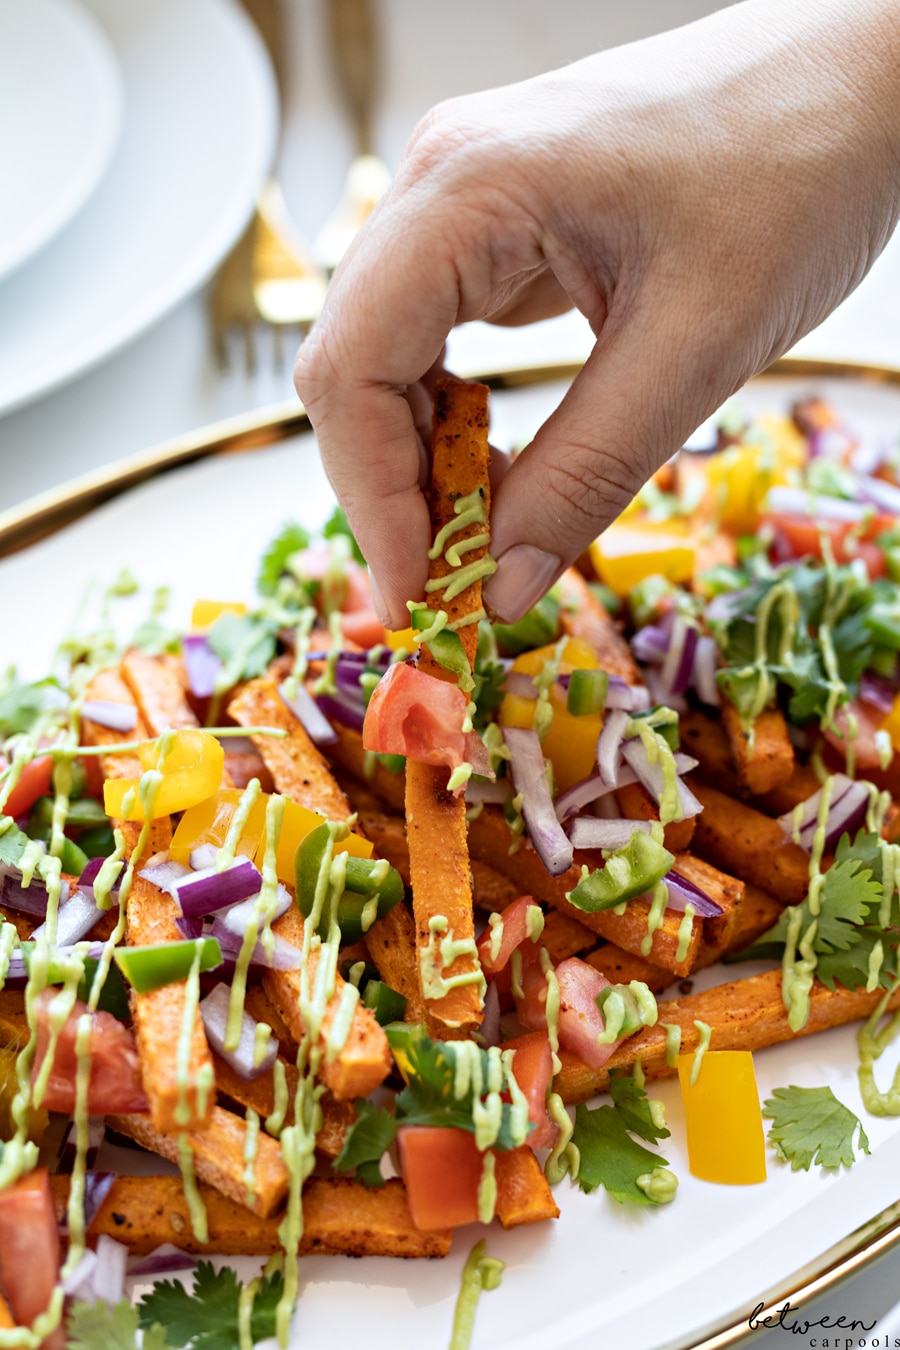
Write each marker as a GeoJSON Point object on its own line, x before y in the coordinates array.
{"type": "Point", "coordinates": [205, 612]}
{"type": "Point", "coordinates": [570, 742]}
{"type": "Point", "coordinates": [296, 824]}
{"type": "Point", "coordinates": [723, 1118]}
{"type": "Point", "coordinates": [891, 724]}
{"type": "Point", "coordinates": [191, 772]}
{"type": "Point", "coordinates": [208, 822]}
{"type": "Point", "coordinates": [403, 639]}
{"type": "Point", "coordinates": [741, 475]}
{"type": "Point", "coordinates": [627, 553]}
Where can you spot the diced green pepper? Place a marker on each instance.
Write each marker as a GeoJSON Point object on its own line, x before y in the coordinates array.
{"type": "Point", "coordinates": [385, 1002]}
{"type": "Point", "coordinates": [97, 843]}
{"type": "Point", "coordinates": [537, 628]}
{"type": "Point", "coordinates": [82, 813]}
{"type": "Point", "coordinates": [160, 963]}
{"type": "Point", "coordinates": [587, 692]}
{"type": "Point", "coordinates": [366, 879]}
{"type": "Point", "coordinates": [629, 872]}
{"type": "Point", "coordinates": [446, 646]}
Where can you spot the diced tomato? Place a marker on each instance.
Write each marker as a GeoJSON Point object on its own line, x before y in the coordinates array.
{"type": "Point", "coordinates": [115, 1083]}
{"type": "Point", "coordinates": [514, 931]}
{"type": "Point", "coordinates": [531, 1007]}
{"type": "Point", "coordinates": [580, 1020]}
{"type": "Point", "coordinates": [363, 627]}
{"type": "Point", "coordinates": [34, 782]}
{"type": "Point", "coordinates": [801, 537]}
{"type": "Point", "coordinates": [348, 586]}
{"type": "Point", "coordinates": [869, 719]}
{"type": "Point", "coordinates": [532, 1068]}
{"type": "Point", "coordinates": [29, 1251]}
{"type": "Point", "coordinates": [419, 716]}
{"type": "Point", "coordinates": [441, 1169]}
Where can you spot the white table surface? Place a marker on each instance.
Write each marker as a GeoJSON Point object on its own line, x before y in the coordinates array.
{"type": "Point", "coordinates": [166, 383]}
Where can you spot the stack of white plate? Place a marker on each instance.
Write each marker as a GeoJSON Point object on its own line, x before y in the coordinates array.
{"type": "Point", "coordinates": [133, 140]}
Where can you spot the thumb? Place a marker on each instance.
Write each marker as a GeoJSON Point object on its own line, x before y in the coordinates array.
{"type": "Point", "coordinates": [635, 402]}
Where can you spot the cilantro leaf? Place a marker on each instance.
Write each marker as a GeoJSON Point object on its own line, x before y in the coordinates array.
{"type": "Point", "coordinates": [429, 1097]}
{"type": "Point", "coordinates": [13, 843]}
{"type": "Point", "coordinates": [21, 704]}
{"type": "Point", "coordinates": [292, 539]}
{"type": "Point", "coordinates": [244, 643]}
{"type": "Point", "coordinates": [631, 1102]}
{"type": "Point", "coordinates": [609, 1156]}
{"type": "Point", "coordinates": [810, 1125]}
{"type": "Point", "coordinates": [367, 1139]}
{"type": "Point", "coordinates": [93, 1325]}
{"type": "Point", "coordinates": [207, 1319]}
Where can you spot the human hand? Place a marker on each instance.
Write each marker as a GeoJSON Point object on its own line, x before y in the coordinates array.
{"type": "Point", "coordinates": [704, 197]}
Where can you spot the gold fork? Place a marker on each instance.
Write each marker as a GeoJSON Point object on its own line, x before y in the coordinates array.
{"type": "Point", "coordinates": [269, 278]}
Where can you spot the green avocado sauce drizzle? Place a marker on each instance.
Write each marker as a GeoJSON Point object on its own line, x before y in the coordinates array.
{"type": "Point", "coordinates": [480, 1272]}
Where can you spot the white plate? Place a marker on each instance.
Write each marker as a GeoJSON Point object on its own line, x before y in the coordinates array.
{"type": "Point", "coordinates": [198, 136]}
{"type": "Point", "coordinates": [60, 115]}
{"type": "Point", "coordinates": [604, 1274]}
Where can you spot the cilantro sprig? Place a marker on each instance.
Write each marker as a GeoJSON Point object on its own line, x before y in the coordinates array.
{"type": "Point", "coordinates": [367, 1140]}
{"type": "Point", "coordinates": [610, 1155]}
{"type": "Point", "coordinates": [93, 1325]}
{"type": "Point", "coordinates": [810, 1125]}
{"type": "Point", "coordinates": [207, 1318]}
{"type": "Point", "coordinates": [847, 925]}
{"type": "Point", "coordinates": [430, 1097]}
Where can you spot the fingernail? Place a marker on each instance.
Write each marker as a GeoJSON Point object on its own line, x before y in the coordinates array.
{"type": "Point", "coordinates": [378, 604]}
{"type": "Point", "coordinates": [523, 575]}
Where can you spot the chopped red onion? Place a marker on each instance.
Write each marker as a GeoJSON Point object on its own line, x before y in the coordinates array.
{"type": "Point", "coordinates": [520, 684]}
{"type": "Point", "coordinates": [284, 955]}
{"type": "Point", "coordinates": [877, 690]}
{"type": "Point", "coordinates": [161, 1260]}
{"type": "Point", "coordinates": [201, 893]}
{"type": "Point", "coordinates": [883, 495]}
{"type": "Point", "coordinates": [74, 920]}
{"type": "Point", "coordinates": [526, 762]}
{"type": "Point", "coordinates": [190, 929]}
{"type": "Point", "coordinates": [609, 745]}
{"type": "Point", "coordinates": [676, 668]}
{"type": "Point", "coordinates": [114, 716]}
{"type": "Point", "coordinates": [651, 643]}
{"type": "Point", "coordinates": [703, 675]}
{"type": "Point", "coordinates": [90, 874]}
{"type": "Point", "coordinates": [597, 832]}
{"type": "Point", "coordinates": [338, 708]}
{"type": "Point", "coordinates": [214, 1011]}
{"type": "Point", "coordinates": [108, 1279]}
{"type": "Point", "coordinates": [660, 693]}
{"type": "Point", "coordinates": [165, 875]}
{"type": "Point", "coordinates": [97, 1186]}
{"type": "Point", "coordinates": [79, 1283]}
{"type": "Point", "coordinates": [68, 1152]}
{"type": "Point", "coordinates": [203, 856]}
{"type": "Point", "coordinates": [651, 775]}
{"type": "Point", "coordinates": [631, 697]}
{"type": "Point", "coordinates": [683, 892]}
{"type": "Point", "coordinates": [589, 790]}
{"type": "Point", "coordinates": [308, 714]}
{"type": "Point", "coordinates": [847, 810]}
{"type": "Point", "coordinates": [30, 899]}
{"type": "Point", "coordinates": [238, 916]}
{"type": "Point", "coordinates": [790, 501]}
{"type": "Point", "coordinates": [202, 665]}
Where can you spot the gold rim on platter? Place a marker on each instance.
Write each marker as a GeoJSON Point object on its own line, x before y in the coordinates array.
{"type": "Point", "coordinates": [45, 514]}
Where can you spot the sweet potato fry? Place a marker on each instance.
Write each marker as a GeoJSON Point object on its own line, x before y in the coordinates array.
{"type": "Point", "coordinates": [219, 1158]}
{"type": "Point", "coordinates": [764, 759]}
{"type": "Point", "coordinates": [490, 839]}
{"type": "Point", "coordinates": [583, 616]}
{"type": "Point", "coordinates": [107, 686]}
{"type": "Point", "coordinates": [621, 967]}
{"type": "Point", "coordinates": [746, 843]}
{"type": "Point", "coordinates": [7, 1321]}
{"type": "Point", "coordinates": [703, 737]}
{"type": "Point", "coordinates": [158, 686]}
{"type": "Point", "coordinates": [259, 1093]}
{"type": "Point", "coordinates": [435, 818]}
{"type": "Point", "coordinates": [340, 1218]}
{"type": "Point", "coordinates": [13, 1021]}
{"type": "Point", "coordinates": [747, 1014]}
{"type": "Point", "coordinates": [726, 891]}
{"type": "Point", "coordinates": [564, 936]}
{"type": "Point", "coordinates": [300, 772]}
{"type": "Point", "coordinates": [636, 803]}
{"type": "Point", "coordinates": [523, 1195]}
{"type": "Point", "coordinates": [364, 778]}
{"type": "Point", "coordinates": [159, 1014]}
{"type": "Point", "coordinates": [392, 946]}
{"type": "Point", "coordinates": [759, 912]}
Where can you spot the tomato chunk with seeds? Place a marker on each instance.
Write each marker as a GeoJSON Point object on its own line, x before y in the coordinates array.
{"type": "Point", "coordinates": [421, 717]}
{"type": "Point", "coordinates": [30, 1251]}
{"type": "Point", "coordinates": [441, 1169]}
{"type": "Point", "coordinates": [115, 1084]}
{"type": "Point", "coordinates": [513, 926]}
{"type": "Point", "coordinates": [33, 782]}
{"type": "Point", "coordinates": [532, 1068]}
